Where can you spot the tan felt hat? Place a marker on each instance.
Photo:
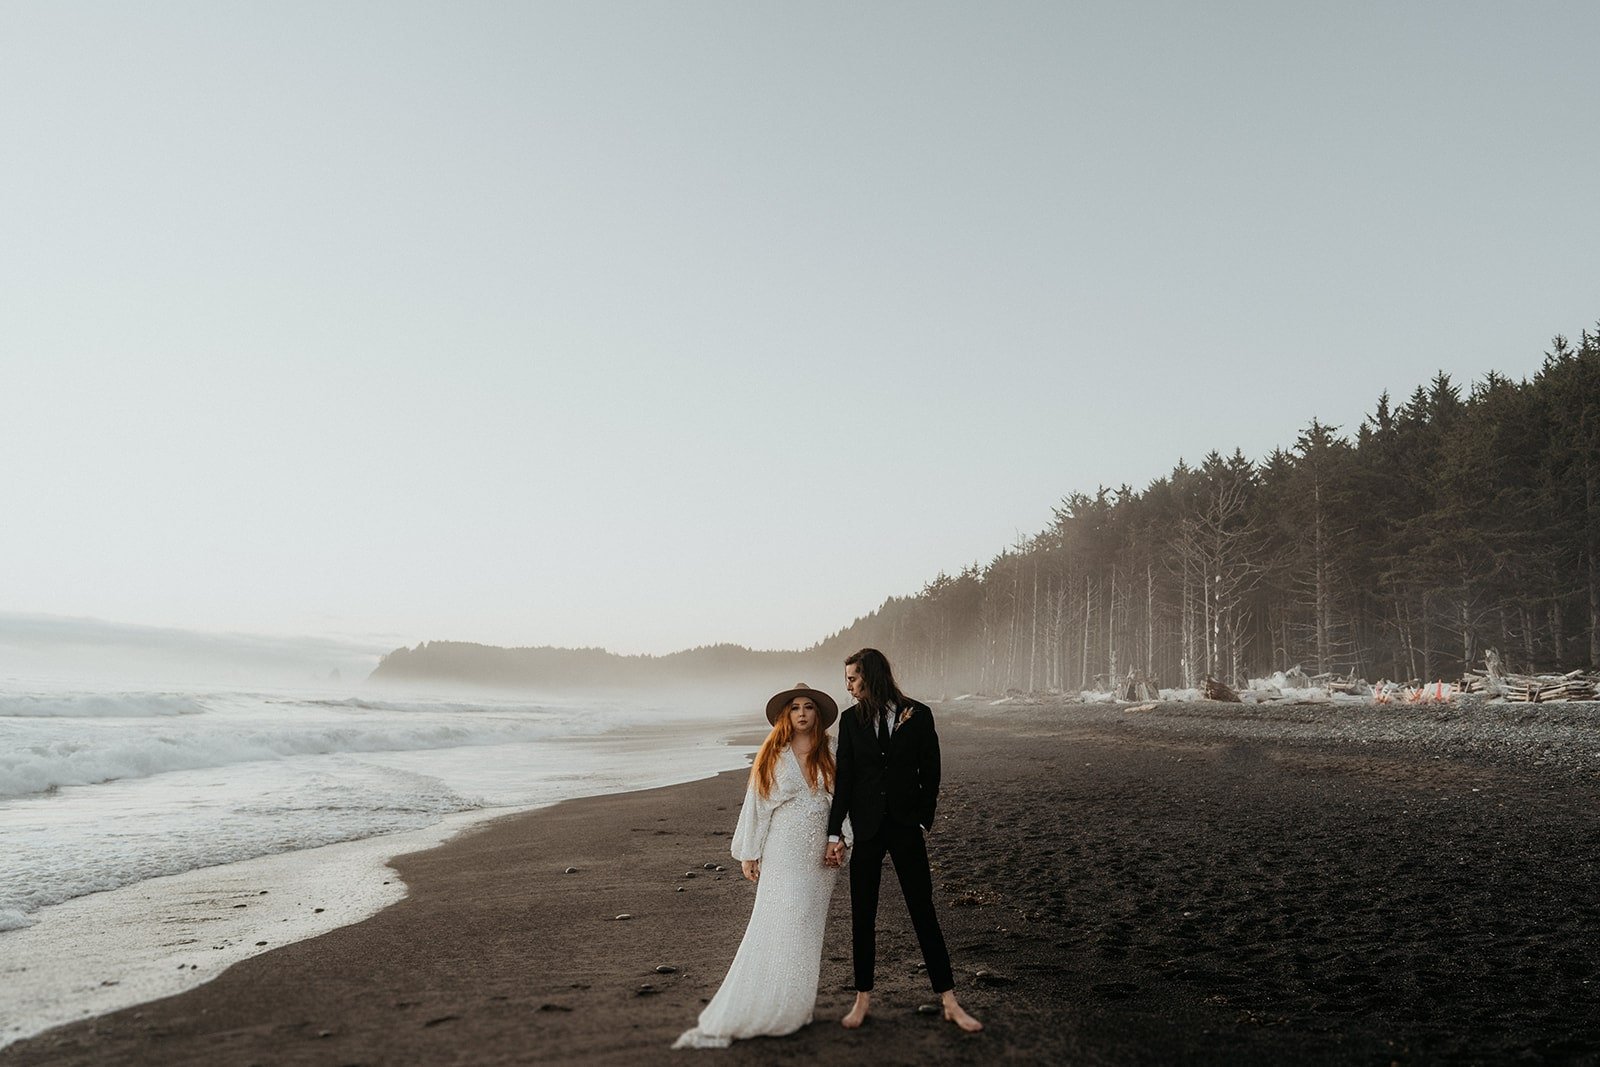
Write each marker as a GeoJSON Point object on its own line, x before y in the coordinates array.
{"type": "Point", "coordinates": [825, 704]}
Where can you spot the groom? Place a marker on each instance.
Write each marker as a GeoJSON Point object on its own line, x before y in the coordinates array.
{"type": "Point", "coordinates": [887, 782]}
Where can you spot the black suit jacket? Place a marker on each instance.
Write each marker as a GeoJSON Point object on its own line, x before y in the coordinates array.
{"type": "Point", "coordinates": [871, 785]}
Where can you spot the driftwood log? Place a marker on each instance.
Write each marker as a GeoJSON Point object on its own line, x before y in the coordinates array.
{"type": "Point", "coordinates": [1351, 686]}
{"type": "Point", "coordinates": [1212, 689]}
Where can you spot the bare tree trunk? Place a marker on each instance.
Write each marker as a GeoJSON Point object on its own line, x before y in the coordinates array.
{"type": "Point", "coordinates": [1046, 642]}
{"type": "Point", "coordinates": [1212, 624]}
{"type": "Point", "coordinates": [1591, 523]}
{"type": "Point", "coordinates": [1083, 665]}
{"type": "Point", "coordinates": [944, 649]}
{"type": "Point", "coordinates": [1111, 632]}
{"type": "Point", "coordinates": [1427, 641]}
{"type": "Point", "coordinates": [1323, 595]}
{"type": "Point", "coordinates": [1150, 621]}
{"type": "Point", "coordinates": [1060, 640]}
{"type": "Point", "coordinates": [1408, 633]}
{"type": "Point", "coordinates": [1187, 620]}
{"type": "Point", "coordinates": [1016, 619]}
{"type": "Point", "coordinates": [1033, 634]}
{"type": "Point", "coordinates": [1556, 637]}
{"type": "Point", "coordinates": [1065, 593]}
{"type": "Point", "coordinates": [984, 650]}
{"type": "Point", "coordinates": [1235, 649]}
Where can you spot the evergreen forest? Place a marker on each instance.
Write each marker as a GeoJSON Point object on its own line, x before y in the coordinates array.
{"type": "Point", "coordinates": [1452, 522]}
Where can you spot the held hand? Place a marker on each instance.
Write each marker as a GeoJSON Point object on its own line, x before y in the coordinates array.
{"type": "Point", "coordinates": [833, 855]}
{"type": "Point", "coordinates": [751, 869]}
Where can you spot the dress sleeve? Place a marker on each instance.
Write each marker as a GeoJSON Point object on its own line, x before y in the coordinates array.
{"type": "Point", "coordinates": [750, 836]}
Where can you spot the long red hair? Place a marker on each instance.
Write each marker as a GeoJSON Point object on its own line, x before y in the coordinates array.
{"type": "Point", "coordinates": [819, 761]}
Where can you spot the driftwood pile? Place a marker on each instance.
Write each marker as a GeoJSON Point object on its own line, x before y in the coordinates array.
{"type": "Point", "coordinates": [1534, 688]}
{"type": "Point", "coordinates": [1529, 688]}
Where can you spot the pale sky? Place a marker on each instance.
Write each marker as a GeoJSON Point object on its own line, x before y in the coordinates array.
{"type": "Point", "coordinates": [651, 325]}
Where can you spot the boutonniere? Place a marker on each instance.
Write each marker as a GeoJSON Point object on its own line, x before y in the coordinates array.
{"type": "Point", "coordinates": [904, 715]}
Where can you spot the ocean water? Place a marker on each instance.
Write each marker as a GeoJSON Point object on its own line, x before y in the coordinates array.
{"type": "Point", "coordinates": [125, 815]}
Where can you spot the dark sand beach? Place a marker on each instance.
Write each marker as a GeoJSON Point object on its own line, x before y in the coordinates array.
{"type": "Point", "coordinates": [1195, 883]}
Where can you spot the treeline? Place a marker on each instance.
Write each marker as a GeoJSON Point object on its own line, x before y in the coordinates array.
{"type": "Point", "coordinates": [547, 668]}
{"type": "Point", "coordinates": [1443, 526]}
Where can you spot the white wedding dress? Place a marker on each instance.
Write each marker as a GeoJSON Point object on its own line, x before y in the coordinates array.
{"type": "Point", "coordinates": [771, 988]}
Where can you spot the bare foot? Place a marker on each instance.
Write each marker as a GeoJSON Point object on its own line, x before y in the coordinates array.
{"type": "Point", "coordinates": [857, 1013]}
{"type": "Point", "coordinates": [959, 1015]}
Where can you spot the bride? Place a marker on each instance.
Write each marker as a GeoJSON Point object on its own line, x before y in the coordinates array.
{"type": "Point", "coordinates": [771, 988]}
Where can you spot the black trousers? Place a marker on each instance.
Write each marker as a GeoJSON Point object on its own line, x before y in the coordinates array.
{"type": "Point", "coordinates": [904, 845]}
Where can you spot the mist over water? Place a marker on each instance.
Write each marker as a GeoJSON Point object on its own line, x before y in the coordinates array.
{"type": "Point", "coordinates": [109, 784]}
{"type": "Point", "coordinates": [106, 785]}
{"type": "Point", "coordinates": [129, 752]}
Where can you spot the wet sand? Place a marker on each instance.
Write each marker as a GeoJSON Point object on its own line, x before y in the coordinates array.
{"type": "Point", "coordinates": [1194, 883]}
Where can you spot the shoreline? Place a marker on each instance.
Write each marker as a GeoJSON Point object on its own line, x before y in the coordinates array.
{"type": "Point", "coordinates": [1116, 886]}
{"type": "Point", "coordinates": [160, 937]}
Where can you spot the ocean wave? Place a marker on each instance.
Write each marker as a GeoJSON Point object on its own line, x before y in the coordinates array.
{"type": "Point", "coordinates": [98, 705]}
{"type": "Point", "coordinates": [267, 809]}
{"type": "Point", "coordinates": [38, 765]}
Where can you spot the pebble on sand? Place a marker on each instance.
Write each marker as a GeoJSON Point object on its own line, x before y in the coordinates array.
{"type": "Point", "coordinates": [666, 969]}
{"type": "Point", "coordinates": [570, 870]}
{"type": "Point", "coordinates": [623, 916]}
{"type": "Point", "coordinates": [712, 867]}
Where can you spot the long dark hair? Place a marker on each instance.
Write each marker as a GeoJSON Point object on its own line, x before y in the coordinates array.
{"type": "Point", "coordinates": [879, 680]}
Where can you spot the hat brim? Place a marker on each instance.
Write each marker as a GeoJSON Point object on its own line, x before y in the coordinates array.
{"type": "Point", "coordinates": [825, 705]}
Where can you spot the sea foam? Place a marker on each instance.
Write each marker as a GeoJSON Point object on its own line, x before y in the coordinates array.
{"type": "Point", "coordinates": [51, 759]}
